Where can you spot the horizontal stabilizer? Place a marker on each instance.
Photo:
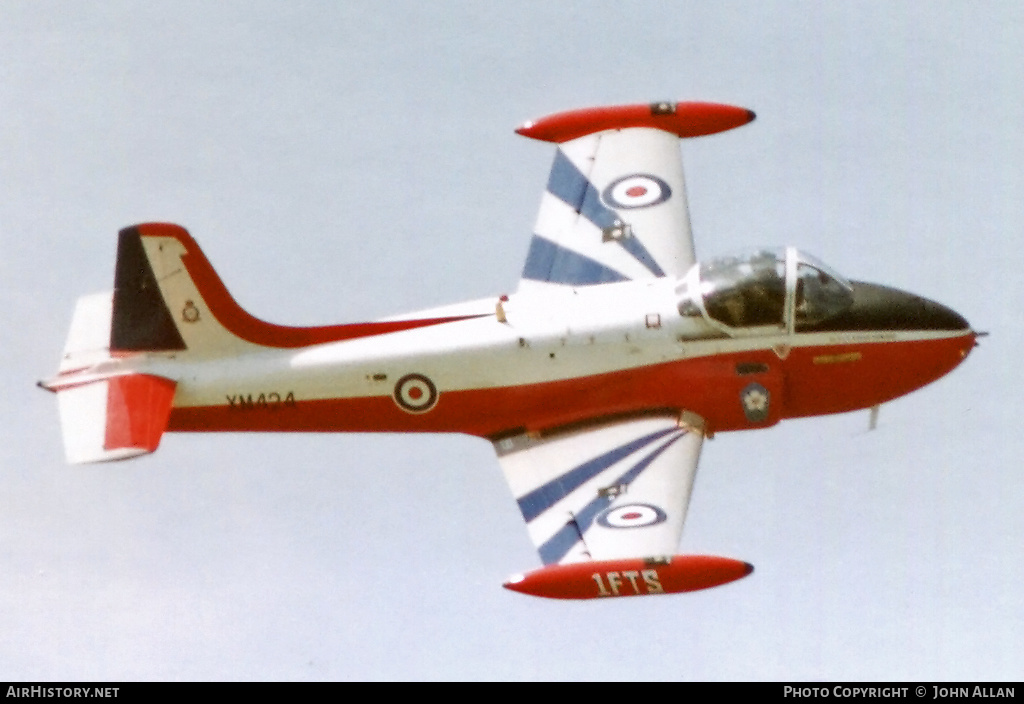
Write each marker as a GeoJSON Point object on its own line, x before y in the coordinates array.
{"type": "Point", "coordinates": [89, 338]}
{"type": "Point", "coordinates": [630, 577]}
{"type": "Point", "coordinates": [114, 418]}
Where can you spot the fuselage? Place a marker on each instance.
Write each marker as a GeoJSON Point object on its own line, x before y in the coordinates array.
{"type": "Point", "coordinates": [538, 360]}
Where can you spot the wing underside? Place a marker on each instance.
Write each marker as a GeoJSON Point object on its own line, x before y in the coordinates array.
{"type": "Point", "coordinates": [615, 206]}
{"type": "Point", "coordinates": [614, 210]}
{"type": "Point", "coordinates": [613, 490]}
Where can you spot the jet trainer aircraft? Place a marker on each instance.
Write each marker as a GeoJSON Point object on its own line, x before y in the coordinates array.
{"type": "Point", "coordinates": [596, 381]}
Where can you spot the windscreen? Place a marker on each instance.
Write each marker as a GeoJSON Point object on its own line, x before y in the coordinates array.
{"type": "Point", "coordinates": [820, 292]}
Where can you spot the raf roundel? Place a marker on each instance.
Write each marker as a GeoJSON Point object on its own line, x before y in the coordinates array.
{"type": "Point", "coordinates": [631, 516]}
{"type": "Point", "coordinates": [636, 191]}
{"type": "Point", "coordinates": [415, 393]}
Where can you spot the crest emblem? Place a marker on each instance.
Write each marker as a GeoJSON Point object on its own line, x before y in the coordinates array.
{"type": "Point", "coordinates": [756, 402]}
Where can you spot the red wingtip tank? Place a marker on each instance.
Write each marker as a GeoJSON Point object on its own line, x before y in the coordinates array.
{"type": "Point", "coordinates": [681, 119]}
{"type": "Point", "coordinates": [629, 577]}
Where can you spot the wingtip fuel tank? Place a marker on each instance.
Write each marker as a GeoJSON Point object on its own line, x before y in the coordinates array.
{"type": "Point", "coordinates": [629, 577]}
{"type": "Point", "coordinates": [684, 119]}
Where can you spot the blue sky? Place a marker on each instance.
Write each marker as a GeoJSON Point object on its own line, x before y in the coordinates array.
{"type": "Point", "coordinates": [341, 163]}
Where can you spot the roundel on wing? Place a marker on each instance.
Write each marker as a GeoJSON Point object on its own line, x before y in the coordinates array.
{"type": "Point", "coordinates": [631, 516]}
{"type": "Point", "coordinates": [415, 393]}
{"type": "Point", "coordinates": [635, 191]}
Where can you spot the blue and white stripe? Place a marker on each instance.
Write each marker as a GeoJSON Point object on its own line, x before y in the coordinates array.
{"type": "Point", "coordinates": [557, 263]}
{"type": "Point", "coordinates": [559, 545]}
{"type": "Point", "coordinates": [632, 469]}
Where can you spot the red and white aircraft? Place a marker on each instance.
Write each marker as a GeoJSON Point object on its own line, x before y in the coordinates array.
{"type": "Point", "coordinates": [596, 381]}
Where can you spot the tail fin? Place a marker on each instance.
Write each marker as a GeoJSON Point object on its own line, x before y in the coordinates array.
{"type": "Point", "coordinates": [168, 298]}
{"type": "Point", "coordinates": [208, 321]}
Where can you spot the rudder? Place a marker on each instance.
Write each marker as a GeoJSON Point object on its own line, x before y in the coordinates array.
{"type": "Point", "coordinates": [140, 319]}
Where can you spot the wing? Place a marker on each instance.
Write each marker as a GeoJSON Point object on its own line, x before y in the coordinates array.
{"type": "Point", "coordinates": [614, 490]}
{"type": "Point", "coordinates": [615, 206]}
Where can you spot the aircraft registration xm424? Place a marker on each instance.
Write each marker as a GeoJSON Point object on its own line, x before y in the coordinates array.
{"type": "Point", "coordinates": [596, 381]}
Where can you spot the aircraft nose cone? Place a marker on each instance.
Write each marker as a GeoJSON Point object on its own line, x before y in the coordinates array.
{"type": "Point", "coordinates": [908, 311]}
{"type": "Point", "coordinates": [940, 317]}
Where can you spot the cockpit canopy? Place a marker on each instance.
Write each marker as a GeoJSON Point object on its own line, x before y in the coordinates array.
{"type": "Point", "coordinates": [776, 288]}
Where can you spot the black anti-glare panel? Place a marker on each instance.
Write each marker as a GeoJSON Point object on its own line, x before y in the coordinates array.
{"type": "Point", "coordinates": [141, 321]}
{"type": "Point", "coordinates": [878, 307]}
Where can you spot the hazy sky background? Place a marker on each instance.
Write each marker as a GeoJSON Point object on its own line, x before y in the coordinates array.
{"type": "Point", "coordinates": [341, 162]}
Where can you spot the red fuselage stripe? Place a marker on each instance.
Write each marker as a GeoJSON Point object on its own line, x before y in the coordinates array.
{"type": "Point", "coordinates": [251, 329]}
